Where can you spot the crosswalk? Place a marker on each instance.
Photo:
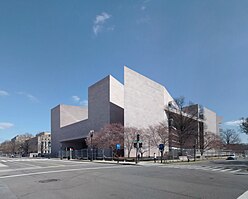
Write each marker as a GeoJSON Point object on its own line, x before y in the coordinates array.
{"type": "Point", "coordinates": [2, 165]}
{"type": "Point", "coordinates": [222, 169]}
{"type": "Point", "coordinates": [211, 168]}
{"type": "Point", "coordinates": [21, 160]}
{"type": "Point", "coordinates": [4, 162]}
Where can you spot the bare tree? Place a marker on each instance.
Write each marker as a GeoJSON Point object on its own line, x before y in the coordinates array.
{"type": "Point", "coordinates": [25, 147]}
{"type": "Point", "coordinates": [210, 141]}
{"type": "Point", "coordinates": [185, 121]}
{"type": "Point", "coordinates": [5, 147]}
{"type": "Point", "coordinates": [107, 137]}
{"type": "Point", "coordinates": [23, 144]}
{"type": "Point", "coordinates": [9, 147]}
{"type": "Point", "coordinates": [244, 125]}
{"type": "Point", "coordinates": [229, 136]}
{"type": "Point", "coordinates": [159, 134]}
{"type": "Point", "coordinates": [130, 135]}
{"type": "Point", "coordinates": [13, 147]}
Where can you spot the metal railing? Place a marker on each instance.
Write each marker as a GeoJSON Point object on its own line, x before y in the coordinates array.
{"type": "Point", "coordinates": [87, 154]}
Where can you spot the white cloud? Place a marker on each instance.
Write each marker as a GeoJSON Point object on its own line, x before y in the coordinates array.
{"type": "Point", "coordinates": [32, 98]}
{"type": "Point", "coordinates": [5, 125]}
{"type": "Point", "coordinates": [84, 103]}
{"type": "Point", "coordinates": [143, 20]}
{"type": "Point", "coordinates": [75, 98]}
{"type": "Point", "coordinates": [143, 7]}
{"type": "Point", "coordinates": [102, 18]}
{"type": "Point", "coordinates": [29, 96]}
{"type": "Point", "coordinates": [3, 93]}
{"type": "Point", "coordinates": [99, 22]}
{"type": "Point", "coordinates": [144, 4]}
{"type": "Point", "coordinates": [233, 123]}
{"type": "Point", "coordinates": [78, 100]}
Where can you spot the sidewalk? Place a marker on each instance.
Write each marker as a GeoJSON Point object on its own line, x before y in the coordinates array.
{"type": "Point", "coordinates": [140, 163]}
{"type": "Point", "coordinates": [143, 163]}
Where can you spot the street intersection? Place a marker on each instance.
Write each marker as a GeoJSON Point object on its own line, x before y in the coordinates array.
{"type": "Point", "coordinates": [26, 178]}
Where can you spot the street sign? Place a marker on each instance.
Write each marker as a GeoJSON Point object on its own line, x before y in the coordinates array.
{"type": "Point", "coordinates": [161, 147]}
{"type": "Point", "coordinates": [118, 146]}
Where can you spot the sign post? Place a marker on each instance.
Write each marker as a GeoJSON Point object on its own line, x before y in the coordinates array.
{"type": "Point", "coordinates": [137, 145]}
{"type": "Point", "coordinates": [161, 149]}
{"type": "Point", "coordinates": [118, 147]}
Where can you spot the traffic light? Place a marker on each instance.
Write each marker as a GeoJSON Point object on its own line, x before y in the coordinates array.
{"type": "Point", "coordinates": [138, 137]}
{"type": "Point", "coordinates": [135, 145]}
{"type": "Point", "coordinates": [140, 145]}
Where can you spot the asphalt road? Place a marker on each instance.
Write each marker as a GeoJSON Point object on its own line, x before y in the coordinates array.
{"type": "Point", "coordinates": [63, 179]}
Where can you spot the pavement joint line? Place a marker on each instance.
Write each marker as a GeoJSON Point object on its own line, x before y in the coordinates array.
{"type": "Point", "coordinates": [59, 171]}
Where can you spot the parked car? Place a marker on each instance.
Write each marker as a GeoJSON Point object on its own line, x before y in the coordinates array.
{"type": "Point", "coordinates": [231, 157]}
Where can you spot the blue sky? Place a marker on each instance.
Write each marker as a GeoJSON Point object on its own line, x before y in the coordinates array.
{"type": "Point", "coordinates": [51, 51]}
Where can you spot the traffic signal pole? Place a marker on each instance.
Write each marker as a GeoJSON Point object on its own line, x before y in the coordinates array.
{"type": "Point", "coordinates": [137, 148]}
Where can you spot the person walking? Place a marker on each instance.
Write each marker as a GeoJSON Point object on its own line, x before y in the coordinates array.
{"type": "Point", "coordinates": [155, 157]}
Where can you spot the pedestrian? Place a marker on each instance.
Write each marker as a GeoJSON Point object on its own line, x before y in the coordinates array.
{"type": "Point", "coordinates": [155, 157]}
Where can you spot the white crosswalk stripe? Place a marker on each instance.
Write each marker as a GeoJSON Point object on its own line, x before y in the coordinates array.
{"type": "Point", "coordinates": [205, 168]}
{"type": "Point", "coordinates": [22, 160]}
{"type": "Point", "coordinates": [2, 165]}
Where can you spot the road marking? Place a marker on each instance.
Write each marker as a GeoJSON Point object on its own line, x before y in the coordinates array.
{"type": "Point", "coordinates": [72, 161]}
{"type": "Point", "coordinates": [21, 163]}
{"type": "Point", "coordinates": [65, 170]}
{"type": "Point", "coordinates": [205, 168]}
{"type": "Point", "coordinates": [3, 165]}
{"type": "Point", "coordinates": [22, 160]}
{"type": "Point", "coordinates": [38, 167]}
{"type": "Point", "coordinates": [244, 195]}
{"type": "Point", "coordinates": [224, 170]}
{"type": "Point", "coordinates": [234, 171]}
{"type": "Point", "coordinates": [217, 169]}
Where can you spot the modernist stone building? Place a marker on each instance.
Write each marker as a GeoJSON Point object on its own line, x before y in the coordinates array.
{"type": "Point", "coordinates": [140, 103]}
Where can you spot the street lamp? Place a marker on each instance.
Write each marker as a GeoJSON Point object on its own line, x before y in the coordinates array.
{"type": "Point", "coordinates": [91, 136]}
{"type": "Point", "coordinates": [49, 149]}
{"type": "Point", "coordinates": [170, 121]}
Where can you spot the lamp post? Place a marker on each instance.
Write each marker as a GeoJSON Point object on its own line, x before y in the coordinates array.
{"type": "Point", "coordinates": [170, 124]}
{"type": "Point", "coordinates": [194, 151]}
{"type": "Point", "coordinates": [49, 150]}
{"type": "Point", "coordinates": [91, 136]}
{"type": "Point", "coordinates": [170, 121]}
